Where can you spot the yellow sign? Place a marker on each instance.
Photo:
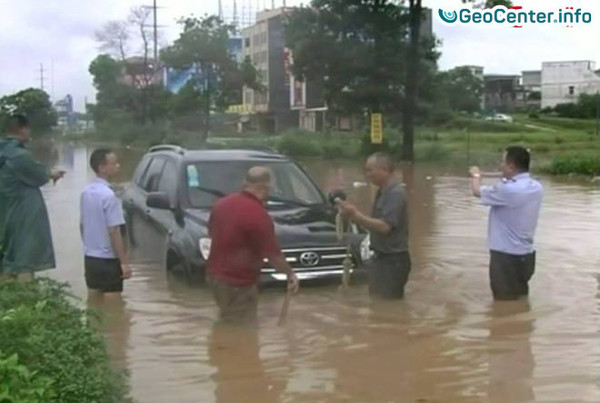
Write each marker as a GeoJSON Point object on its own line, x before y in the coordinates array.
{"type": "Point", "coordinates": [376, 128]}
{"type": "Point", "coordinates": [242, 109]}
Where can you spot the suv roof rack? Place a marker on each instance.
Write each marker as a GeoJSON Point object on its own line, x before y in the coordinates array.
{"type": "Point", "coordinates": [263, 148]}
{"type": "Point", "coordinates": [167, 147]}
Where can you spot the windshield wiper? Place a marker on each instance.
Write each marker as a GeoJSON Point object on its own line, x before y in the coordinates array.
{"type": "Point", "coordinates": [214, 192]}
{"type": "Point", "coordinates": [290, 202]}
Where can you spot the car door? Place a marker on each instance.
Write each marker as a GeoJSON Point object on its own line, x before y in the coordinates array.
{"type": "Point", "coordinates": [139, 213]}
{"type": "Point", "coordinates": [163, 223]}
{"type": "Point", "coordinates": [131, 197]}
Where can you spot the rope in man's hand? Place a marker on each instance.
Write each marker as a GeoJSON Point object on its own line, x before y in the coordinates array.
{"type": "Point", "coordinates": [347, 265]}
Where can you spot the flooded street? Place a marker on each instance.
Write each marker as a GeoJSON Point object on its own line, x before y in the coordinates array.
{"type": "Point", "coordinates": [447, 342]}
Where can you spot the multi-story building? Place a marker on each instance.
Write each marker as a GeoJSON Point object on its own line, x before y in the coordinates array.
{"type": "Point", "coordinates": [503, 93]}
{"type": "Point", "coordinates": [563, 82]}
{"type": "Point", "coordinates": [532, 87]}
{"type": "Point", "coordinates": [264, 43]}
{"type": "Point", "coordinates": [66, 115]}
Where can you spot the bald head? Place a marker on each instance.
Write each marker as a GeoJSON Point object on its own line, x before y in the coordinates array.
{"type": "Point", "coordinates": [258, 176]}
{"type": "Point", "coordinates": [383, 161]}
{"type": "Point", "coordinates": [257, 182]}
{"type": "Point", "coordinates": [379, 169]}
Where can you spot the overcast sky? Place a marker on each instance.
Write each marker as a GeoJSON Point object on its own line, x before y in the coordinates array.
{"type": "Point", "coordinates": [60, 34]}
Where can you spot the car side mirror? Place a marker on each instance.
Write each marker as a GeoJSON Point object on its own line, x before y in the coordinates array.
{"type": "Point", "coordinates": [159, 200]}
{"type": "Point", "coordinates": [336, 194]}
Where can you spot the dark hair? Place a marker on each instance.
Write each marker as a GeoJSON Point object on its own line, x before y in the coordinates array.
{"type": "Point", "coordinates": [519, 157]}
{"type": "Point", "coordinates": [16, 122]}
{"type": "Point", "coordinates": [384, 159]}
{"type": "Point", "coordinates": [99, 158]}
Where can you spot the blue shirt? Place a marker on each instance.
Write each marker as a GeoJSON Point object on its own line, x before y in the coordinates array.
{"type": "Point", "coordinates": [100, 210]}
{"type": "Point", "coordinates": [515, 208]}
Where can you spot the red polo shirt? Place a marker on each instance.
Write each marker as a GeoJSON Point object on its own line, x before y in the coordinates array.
{"type": "Point", "coordinates": [243, 235]}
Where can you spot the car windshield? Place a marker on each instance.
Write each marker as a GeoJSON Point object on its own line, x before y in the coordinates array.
{"type": "Point", "coordinates": [207, 182]}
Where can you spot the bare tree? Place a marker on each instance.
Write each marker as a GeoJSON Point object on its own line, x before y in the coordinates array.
{"type": "Point", "coordinates": [114, 38]}
{"type": "Point", "coordinates": [131, 42]}
{"type": "Point", "coordinates": [139, 18]}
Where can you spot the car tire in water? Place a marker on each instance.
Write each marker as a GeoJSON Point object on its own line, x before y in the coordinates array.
{"type": "Point", "coordinates": [177, 268]}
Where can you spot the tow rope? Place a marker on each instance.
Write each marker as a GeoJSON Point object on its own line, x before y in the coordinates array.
{"type": "Point", "coordinates": [341, 229]}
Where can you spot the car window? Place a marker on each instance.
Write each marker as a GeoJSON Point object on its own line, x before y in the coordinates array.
{"type": "Point", "coordinates": [150, 180]}
{"type": "Point", "coordinates": [168, 180]}
{"type": "Point", "coordinates": [302, 188]}
{"type": "Point", "coordinates": [208, 181]}
{"type": "Point", "coordinates": [140, 171]}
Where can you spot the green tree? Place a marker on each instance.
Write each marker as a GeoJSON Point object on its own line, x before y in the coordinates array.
{"type": "Point", "coordinates": [217, 78]}
{"type": "Point", "coordinates": [118, 99]}
{"type": "Point", "coordinates": [35, 104]}
{"type": "Point", "coordinates": [357, 51]}
{"type": "Point", "coordinates": [586, 107]}
{"type": "Point", "coordinates": [462, 89]}
{"type": "Point", "coordinates": [413, 69]}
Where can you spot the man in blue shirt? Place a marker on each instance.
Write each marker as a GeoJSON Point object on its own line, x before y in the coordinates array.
{"type": "Point", "coordinates": [106, 263]}
{"type": "Point", "coordinates": [515, 207]}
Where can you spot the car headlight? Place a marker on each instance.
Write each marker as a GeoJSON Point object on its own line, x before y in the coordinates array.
{"type": "Point", "coordinates": [365, 249]}
{"type": "Point", "coordinates": [204, 245]}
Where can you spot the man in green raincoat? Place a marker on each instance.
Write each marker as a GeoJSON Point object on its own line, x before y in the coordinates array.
{"type": "Point", "coordinates": [25, 239]}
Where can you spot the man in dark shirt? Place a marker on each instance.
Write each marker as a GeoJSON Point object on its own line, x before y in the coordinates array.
{"type": "Point", "coordinates": [388, 226]}
{"type": "Point", "coordinates": [243, 236]}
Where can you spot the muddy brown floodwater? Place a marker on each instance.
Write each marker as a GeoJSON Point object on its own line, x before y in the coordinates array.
{"type": "Point", "coordinates": [447, 342]}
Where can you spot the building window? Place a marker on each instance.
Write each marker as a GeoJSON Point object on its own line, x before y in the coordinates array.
{"type": "Point", "coordinates": [247, 42]}
{"type": "Point", "coordinates": [571, 90]}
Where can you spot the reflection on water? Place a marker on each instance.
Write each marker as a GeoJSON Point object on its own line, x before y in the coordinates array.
{"type": "Point", "coordinates": [447, 342]}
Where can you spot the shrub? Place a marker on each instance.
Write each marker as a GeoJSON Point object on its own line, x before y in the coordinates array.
{"type": "Point", "coordinates": [368, 148]}
{"type": "Point", "coordinates": [19, 384]}
{"type": "Point", "coordinates": [585, 165]}
{"type": "Point", "coordinates": [299, 146]}
{"type": "Point", "coordinates": [432, 152]}
{"type": "Point", "coordinates": [65, 359]}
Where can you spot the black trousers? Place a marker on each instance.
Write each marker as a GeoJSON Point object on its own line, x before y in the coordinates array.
{"type": "Point", "coordinates": [510, 274]}
{"type": "Point", "coordinates": [388, 275]}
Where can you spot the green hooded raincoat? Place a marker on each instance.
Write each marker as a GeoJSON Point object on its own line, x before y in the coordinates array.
{"type": "Point", "coordinates": [25, 239]}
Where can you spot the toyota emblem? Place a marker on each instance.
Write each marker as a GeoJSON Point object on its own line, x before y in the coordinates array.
{"type": "Point", "coordinates": [309, 259]}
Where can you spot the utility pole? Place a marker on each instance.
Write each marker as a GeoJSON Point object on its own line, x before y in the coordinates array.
{"type": "Point", "coordinates": [52, 79]}
{"type": "Point", "coordinates": [597, 113]}
{"type": "Point", "coordinates": [235, 17]}
{"type": "Point", "coordinates": [155, 36]}
{"type": "Point", "coordinates": [42, 76]}
{"type": "Point", "coordinates": [221, 10]}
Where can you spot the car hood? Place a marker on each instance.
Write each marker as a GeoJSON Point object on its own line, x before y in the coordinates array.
{"type": "Point", "coordinates": [298, 227]}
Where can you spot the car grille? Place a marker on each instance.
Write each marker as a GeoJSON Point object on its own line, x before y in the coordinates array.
{"type": "Point", "coordinates": [318, 259]}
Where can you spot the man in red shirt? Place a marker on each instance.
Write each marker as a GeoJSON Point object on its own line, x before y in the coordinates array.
{"type": "Point", "coordinates": [243, 235]}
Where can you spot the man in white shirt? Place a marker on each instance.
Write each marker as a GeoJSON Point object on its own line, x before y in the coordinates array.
{"type": "Point", "coordinates": [106, 264]}
{"type": "Point", "coordinates": [515, 207]}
